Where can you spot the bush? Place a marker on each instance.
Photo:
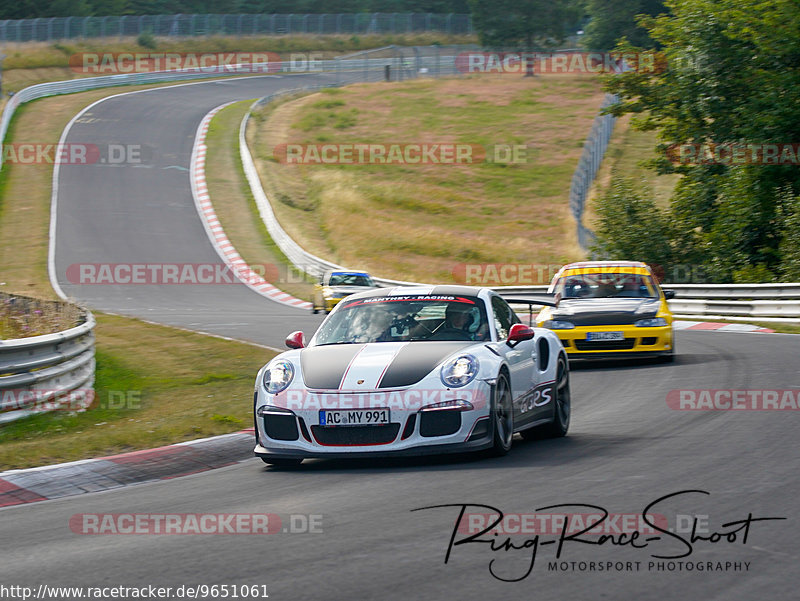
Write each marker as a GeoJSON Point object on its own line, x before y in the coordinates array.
{"type": "Point", "coordinates": [146, 39]}
{"type": "Point", "coordinates": [790, 243]}
{"type": "Point", "coordinates": [631, 226]}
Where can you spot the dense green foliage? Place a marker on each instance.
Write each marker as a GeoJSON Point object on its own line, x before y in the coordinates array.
{"type": "Point", "coordinates": [730, 75]}
{"type": "Point", "coordinates": [530, 24]}
{"type": "Point", "coordinates": [614, 19]}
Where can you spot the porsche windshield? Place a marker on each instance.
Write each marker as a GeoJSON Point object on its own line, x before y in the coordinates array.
{"type": "Point", "coordinates": [605, 285]}
{"type": "Point", "coordinates": [405, 318]}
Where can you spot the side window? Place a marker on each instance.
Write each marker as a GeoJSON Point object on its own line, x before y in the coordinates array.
{"type": "Point", "coordinates": [504, 317]}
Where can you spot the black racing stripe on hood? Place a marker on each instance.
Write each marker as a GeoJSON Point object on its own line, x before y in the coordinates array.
{"type": "Point", "coordinates": [607, 311]}
{"type": "Point", "coordinates": [324, 366]}
{"type": "Point", "coordinates": [416, 360]}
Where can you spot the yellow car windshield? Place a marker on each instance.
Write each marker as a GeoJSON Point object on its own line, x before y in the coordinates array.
{"type": "Point", "coordinates": [606, 285]}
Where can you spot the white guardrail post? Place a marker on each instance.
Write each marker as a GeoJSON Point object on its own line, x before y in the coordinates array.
{"type": "Point", "coordinates": [47, 373]}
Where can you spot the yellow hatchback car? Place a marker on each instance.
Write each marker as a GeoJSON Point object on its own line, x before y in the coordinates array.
{"type": "Point", "coordinates": [336, 284]}
{"type": "Point", "coordinates": [610, 309]}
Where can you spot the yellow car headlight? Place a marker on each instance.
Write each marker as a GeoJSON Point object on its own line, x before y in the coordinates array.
{"type": "Point", "coordinates": [654, 322]}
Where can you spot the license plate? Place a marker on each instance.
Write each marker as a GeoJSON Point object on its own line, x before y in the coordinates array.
{"type": "Point", "coordinates": [354, 417]}
{"type": "Point", "coordinates": [594, 336]}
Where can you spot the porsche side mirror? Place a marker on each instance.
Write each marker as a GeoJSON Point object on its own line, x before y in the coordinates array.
{"type": "Point", "coordinates": [669, 294]}
{"type": "Point", "coordinates": [296, 340]}
{"type": "Point", "coordinates": [518, 333]}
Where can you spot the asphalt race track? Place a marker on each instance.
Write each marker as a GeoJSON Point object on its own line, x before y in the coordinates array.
{"type": "Point", "coordinates": [143, 213]}
{"type": "Point", "coordinates": [626, 448]}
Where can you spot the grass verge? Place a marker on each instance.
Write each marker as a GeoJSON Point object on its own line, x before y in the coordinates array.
{"type": "Point", "coordinates": [627, 150]}
{"type": "Point", "coordinates": [154, 385]}
{"type": "Point", "coordinates": [424, 222]}
{"type": "Point", "coordinates": [236, 208]}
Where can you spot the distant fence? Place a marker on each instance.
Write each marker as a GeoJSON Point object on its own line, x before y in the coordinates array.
{"type": "Point", "coordinates": [593, 151]}
{"type": "Point", "coordinates": [67, 28]}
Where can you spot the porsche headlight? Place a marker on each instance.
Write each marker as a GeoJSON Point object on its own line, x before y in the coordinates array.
{"type": "Point", "coordinates": [554, 324]}
{"type": "Point", "coordinates": [655, 322]}
{"type": "Point", "coordinates": [278, 376]}
{"type": "Point", "coordinates": [459, 371]}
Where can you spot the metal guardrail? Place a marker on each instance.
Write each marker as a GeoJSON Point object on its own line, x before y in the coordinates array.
{"type": "Point", "coordinates": [771, 302]}
{"type": "Point", "coordinates": [65, 28]}
{"type": "Point", "coordinates": [47, 373]}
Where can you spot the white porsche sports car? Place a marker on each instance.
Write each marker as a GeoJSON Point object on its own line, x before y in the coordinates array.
{"type": "Point", "coordinates": [410, 371]}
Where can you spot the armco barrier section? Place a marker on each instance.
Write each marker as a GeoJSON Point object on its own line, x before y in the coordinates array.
{"type": "Point", "coordinates": [47, 373]}
{"type": "Point", "coordinates": [771, 302]}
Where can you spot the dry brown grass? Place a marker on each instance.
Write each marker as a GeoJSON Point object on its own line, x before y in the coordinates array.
{"type": "Point", "coordinates": [22, 316]}
{"type": "Point", "coordinates": [420, 222]}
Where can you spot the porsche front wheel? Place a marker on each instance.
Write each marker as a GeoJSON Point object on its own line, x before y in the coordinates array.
{"type": "Point", "coordinates": [502, 418]}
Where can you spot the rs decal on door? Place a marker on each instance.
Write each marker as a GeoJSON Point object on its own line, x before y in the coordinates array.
{"type": "Point", "coordinates": [540, 396]}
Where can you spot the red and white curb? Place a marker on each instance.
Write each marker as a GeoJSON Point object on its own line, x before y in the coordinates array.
{"type": "Point", "coordinates": [719, 327]}
{"type": "Point", "coordinates": [18, 487]}
{"type": "Point", "coordinates": [213, 227]}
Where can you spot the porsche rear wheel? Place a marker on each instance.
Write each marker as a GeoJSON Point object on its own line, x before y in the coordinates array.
{"type": "Point", "coordinates": [502, 418]}
{"type": "Point", "coordinates": [562, 407]}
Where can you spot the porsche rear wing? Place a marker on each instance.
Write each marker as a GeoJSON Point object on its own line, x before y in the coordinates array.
{"type": "Point", "coordinates": [540, 300]}
{"type": "Point", "coordinates": [534, 301]}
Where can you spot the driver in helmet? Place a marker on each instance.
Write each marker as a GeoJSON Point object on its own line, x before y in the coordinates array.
{"type": "Point", "coordinates": [460, 319]}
